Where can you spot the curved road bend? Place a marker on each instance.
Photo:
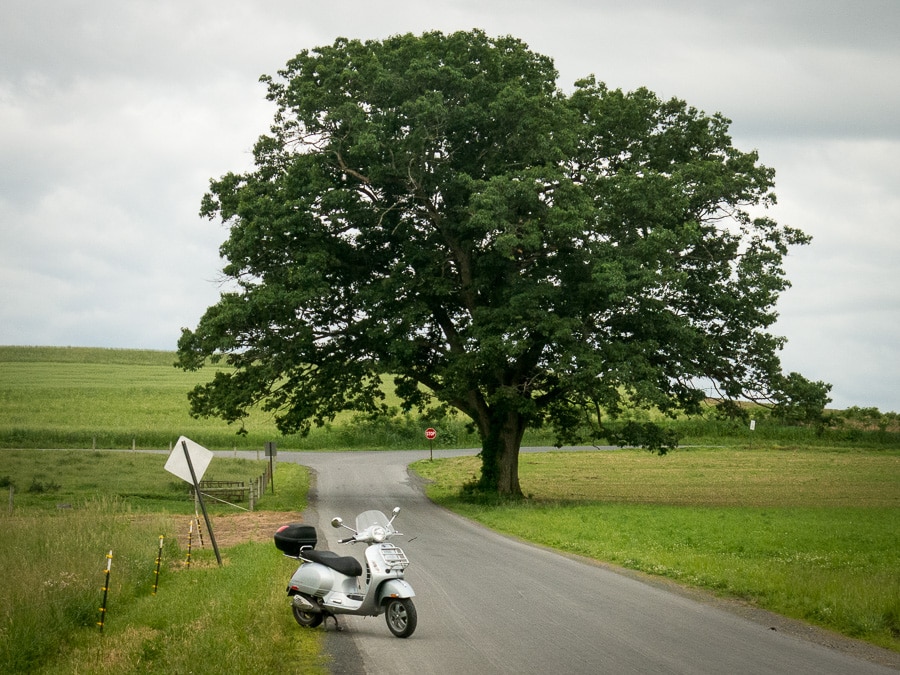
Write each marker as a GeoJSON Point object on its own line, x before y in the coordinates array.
{"type": "Point", "coordinates": [490, 604]}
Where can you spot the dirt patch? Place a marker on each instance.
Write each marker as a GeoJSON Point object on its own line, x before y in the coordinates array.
{"type": "Point", "coordinates": [238, 528]}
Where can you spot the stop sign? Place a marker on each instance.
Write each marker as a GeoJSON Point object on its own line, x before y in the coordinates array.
{"type": "Point", "coordinates": [430, 434]}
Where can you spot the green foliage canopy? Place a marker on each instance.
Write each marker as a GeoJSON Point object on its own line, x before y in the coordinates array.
{"type": "Point", "coordinates": [436, 208]}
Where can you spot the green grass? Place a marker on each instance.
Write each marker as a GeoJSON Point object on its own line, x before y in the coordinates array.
{"type": "Point", "coordinates": [812, 535]}
{"type": "Point", "coordinates": [43, 479]}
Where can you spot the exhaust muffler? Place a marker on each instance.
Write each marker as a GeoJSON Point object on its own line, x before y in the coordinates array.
{"type": "Point", "coordinates": [305, 605]}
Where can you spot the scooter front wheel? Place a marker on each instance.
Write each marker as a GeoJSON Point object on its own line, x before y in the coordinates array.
{"type": "Point", "coordinates": [400, 614]}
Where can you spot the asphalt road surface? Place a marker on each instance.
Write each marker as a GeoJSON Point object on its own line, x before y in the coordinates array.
{"type": "Point", "coordinates": [490, 604]}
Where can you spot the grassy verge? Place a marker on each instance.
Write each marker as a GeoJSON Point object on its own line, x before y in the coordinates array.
{"type": "Point", "coordinates": [203, 619]}
{"type": "Point", "coordinates": [810, 535]}
{"type": "Point", "coordinates": [206, 620]}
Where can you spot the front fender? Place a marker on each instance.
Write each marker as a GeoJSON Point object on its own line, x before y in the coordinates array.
{"type": "Point", "coordinates": [394, 588]}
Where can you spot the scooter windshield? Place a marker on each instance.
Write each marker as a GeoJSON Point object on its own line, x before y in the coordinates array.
{"type": "Point", "coordinates": [368, 518]}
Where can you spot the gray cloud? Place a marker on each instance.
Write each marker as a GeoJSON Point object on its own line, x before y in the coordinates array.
{"type": "Point", "coordinates": [114, 116]}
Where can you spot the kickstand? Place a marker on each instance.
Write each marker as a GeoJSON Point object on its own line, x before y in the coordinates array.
{"type": "Point", "coordinates": [338, 627]}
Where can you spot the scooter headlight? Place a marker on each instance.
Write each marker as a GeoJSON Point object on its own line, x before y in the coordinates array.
{"type": "Point", "coordinates": [378, 534]}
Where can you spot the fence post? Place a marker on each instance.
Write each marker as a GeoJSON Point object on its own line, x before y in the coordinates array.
{"type": "Point", "coordinates": [158, 562]}
{"type": "Point", "coordinates": [199, 527]}
{"type": "Point", "coordinates": [190, 542]}
{"type": "Point", "coordinates": [105, 591]}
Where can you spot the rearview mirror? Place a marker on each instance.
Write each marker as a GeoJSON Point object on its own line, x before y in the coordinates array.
{"type": "Point", "coordinates": [336, 522]}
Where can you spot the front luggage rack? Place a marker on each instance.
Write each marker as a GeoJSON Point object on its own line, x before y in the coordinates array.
{"type": "Point", "coordinates": [394, 556]}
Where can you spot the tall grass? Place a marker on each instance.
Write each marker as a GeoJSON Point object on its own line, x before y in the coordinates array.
{"type": "Point", "coordinates": [813, 535]}
{"type": "Point", "coordinates": [204, 619]}
{"type": "Point", "coordinates": [53, 567]}
{"type": "Point", "coordinates": [233, 619]}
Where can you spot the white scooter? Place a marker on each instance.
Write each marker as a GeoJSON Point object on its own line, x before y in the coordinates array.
{"type": "Point", "coordinates": [326, 584]}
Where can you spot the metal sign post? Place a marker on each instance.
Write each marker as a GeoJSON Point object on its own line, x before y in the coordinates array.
{"type": "Point", "coordinates": [190, 476]}
{"type": "Point", "coordinates": [271, 451]}
{"type": "Point", "coordinates": [430, 434]}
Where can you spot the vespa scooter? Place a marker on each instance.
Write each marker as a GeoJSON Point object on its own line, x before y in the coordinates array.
{"type": "Point", "coordinates": [326, 584]}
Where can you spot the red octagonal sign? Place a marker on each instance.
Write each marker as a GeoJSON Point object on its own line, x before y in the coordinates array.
{"type": "Point", "coordinates": [430, 434]}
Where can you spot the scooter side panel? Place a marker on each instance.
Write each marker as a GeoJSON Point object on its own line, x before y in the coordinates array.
{"type": "Point", "coordinates": [314, 579]}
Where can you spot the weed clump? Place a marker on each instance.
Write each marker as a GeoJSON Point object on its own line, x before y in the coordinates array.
{"type": "Point", "coordinates": [38, 487]}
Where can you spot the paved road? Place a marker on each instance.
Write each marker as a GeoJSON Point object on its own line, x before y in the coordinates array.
{"type": "Point", "coordinates": [489, 604]}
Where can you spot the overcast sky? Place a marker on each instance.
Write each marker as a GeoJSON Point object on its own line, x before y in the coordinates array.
{"type": "Point", "coordinates": [114, 115]}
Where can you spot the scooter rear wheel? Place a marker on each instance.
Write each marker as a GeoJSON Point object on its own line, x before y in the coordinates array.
{"type": "Point", "coordinates": [400, 614]}
{"type": "Point", "coordinates": [307, 619]}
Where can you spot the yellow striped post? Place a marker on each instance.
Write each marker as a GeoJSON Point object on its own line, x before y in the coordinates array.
{"type": "Point", "coordinates": [105, 591]}
{"type": "Point", "coordinates": [199, 525]}
{"type": "Point", "coordinates": [190, 541]}
{"type": "Point", "coordinates": [158, 562]}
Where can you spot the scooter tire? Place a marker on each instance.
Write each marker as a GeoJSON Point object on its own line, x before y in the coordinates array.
{"type": "Point", "coordinates": [307, 619]}
{"type": "Point", "coordinates": [400, 614]}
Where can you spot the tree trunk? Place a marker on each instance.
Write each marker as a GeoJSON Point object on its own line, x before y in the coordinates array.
{"type": "Point", "coordinates": [500, 455]}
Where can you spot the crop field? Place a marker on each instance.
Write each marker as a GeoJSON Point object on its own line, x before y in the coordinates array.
{"type": "Point", "coordinates": [59, 397]}
{"type": "Point", "coordinates": [66, 397]}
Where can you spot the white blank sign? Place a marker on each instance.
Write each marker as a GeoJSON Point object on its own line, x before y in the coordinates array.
{"type": "Point", "coordinates": [177, 463]}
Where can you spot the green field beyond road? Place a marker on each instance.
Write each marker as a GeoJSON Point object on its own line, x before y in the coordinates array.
{"type": "Point", "coordinates": [811, 534]}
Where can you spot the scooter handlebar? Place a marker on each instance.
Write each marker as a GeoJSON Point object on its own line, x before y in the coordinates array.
{"type": "Point", "coordinates": [347, 540]}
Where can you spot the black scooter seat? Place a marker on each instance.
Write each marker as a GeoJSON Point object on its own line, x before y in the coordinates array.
{"type": "Point", "coordinates": [344, 564]}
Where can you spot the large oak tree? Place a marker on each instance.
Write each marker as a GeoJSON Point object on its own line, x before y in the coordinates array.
{"type": "Point", "coordinates": [435, 208]}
